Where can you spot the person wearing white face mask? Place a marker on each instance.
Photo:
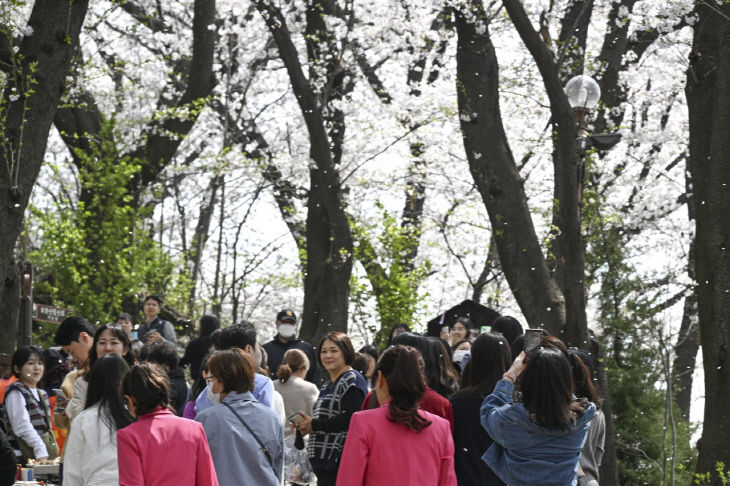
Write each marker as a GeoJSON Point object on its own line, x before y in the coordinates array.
{"type": "Point", "coordinates": [460, 350]}
{"type": "Point", "coordinates": [285, 339]}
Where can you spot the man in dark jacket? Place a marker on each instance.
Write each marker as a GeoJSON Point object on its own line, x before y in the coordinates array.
{"type": "Point", "coordinates": [285, 339]}
{"type": "Point", "coordinates": [8, 461]}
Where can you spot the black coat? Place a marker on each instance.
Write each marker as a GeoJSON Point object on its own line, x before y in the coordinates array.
{"type": "Point", "coordinates": [275, 350]}
{"type": "Point", "coordinates": [471, 441]}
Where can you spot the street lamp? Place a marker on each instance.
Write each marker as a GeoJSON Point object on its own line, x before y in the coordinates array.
{"type": "Point", "coordinates": [583, 93]}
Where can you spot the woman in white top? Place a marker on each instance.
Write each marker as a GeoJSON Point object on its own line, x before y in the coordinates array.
{"type": "Point", "coordinates": [91, 449]}
{"type": "Point", "coordinates": [27, 406]}
{"type": "Point", "coordinates": [299, 395]}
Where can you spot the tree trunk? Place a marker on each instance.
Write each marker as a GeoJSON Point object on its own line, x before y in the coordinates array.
{"type": "Point", "coordinates": [329, 239]}
{"type": "Point", "coordinates": [494, 171]}
{"type": "Point", "coordinates": [686, 355]}
{"type": "Point", "coordinates": [708, 102]}
{"type": "Point", "coordinates": [29, 104]}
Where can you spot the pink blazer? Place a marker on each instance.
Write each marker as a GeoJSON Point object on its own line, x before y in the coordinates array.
{"type": "Point", "coordinates": [379, 452]}
{"type": "Point", "coordinates": [160, 449]}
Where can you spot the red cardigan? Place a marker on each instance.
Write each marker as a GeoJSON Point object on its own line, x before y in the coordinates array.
{"type": "Point", "coordinates": [431, 402]}
{"type": "Point", "coordinates": [160, 449]}
{"type": "Point", "coordinates": [373, 454]}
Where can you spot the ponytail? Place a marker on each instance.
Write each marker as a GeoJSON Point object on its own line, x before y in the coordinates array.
{"type": "Point", "coordinates": [402, 368]}
{"type": "Point", "coordinates": [294, 360]}
{"type": "Point", "coordinates": [284, 373]}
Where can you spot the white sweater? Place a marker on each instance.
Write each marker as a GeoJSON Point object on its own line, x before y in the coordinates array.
{"type": "Point", "coordinates": [90, 456]}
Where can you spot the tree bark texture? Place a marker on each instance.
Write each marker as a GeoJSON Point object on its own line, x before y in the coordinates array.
{"type": "Point", "coordinates": [43, 57]}
{"type": "Point", "coordinates": [708, 101]}
{"type": "Point", "coordinates": [496, 176]}
{"type": "Point", "coordinates": [329, 239]}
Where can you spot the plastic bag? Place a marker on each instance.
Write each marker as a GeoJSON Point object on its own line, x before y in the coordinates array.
{"type": "Point", "coordinates": [297, 468]}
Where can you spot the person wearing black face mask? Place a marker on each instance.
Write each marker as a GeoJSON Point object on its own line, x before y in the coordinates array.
{"type": "Point", "coordinates": [285, 339]}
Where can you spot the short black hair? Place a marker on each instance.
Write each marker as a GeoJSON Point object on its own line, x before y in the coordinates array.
{"type": "Point", "coordinates": [70, 328]}
{"type": "Point", "coordinates": [154, 297]}
{"type": "Point", "coordinates": [124, 316]}
{"type": "Point", "coordinates": [237, 336]}
{"type": "Point", "coordinates": [208, 324]}
{"type": "Point", "coordinates": [22, 355]}
{"type": "Point", "coordinates": [161, 353]}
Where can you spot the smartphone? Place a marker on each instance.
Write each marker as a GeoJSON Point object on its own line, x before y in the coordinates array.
{"type": "Point", "coordinates": [59, 393]}
{"type": "Point", "coordinates": [532, 339]}
{"type": "Point", "coordinates": [485, 329]}
{"type": "Point", "coordinates": [296, 418]}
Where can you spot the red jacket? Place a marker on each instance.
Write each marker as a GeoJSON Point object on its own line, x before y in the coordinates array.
{"type": "Point", "coordinates": [380, 452]}
{"type": "Point", "coordinates": [431, 402]}
{"type": "Point", "coordinates": [160, 449]}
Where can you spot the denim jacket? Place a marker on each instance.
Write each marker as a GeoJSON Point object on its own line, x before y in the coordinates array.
{"type": "Point", "coordinates": [524, 453]}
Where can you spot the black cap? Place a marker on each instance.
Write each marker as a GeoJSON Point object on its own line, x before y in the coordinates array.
{"type": "Point", "coordinates": [287, 315]}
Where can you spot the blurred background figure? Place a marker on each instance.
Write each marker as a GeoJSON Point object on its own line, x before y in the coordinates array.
{"type": "Point", "coordinates": [199, 347]}
{"type": "Point", "coordinates": [299, 395]}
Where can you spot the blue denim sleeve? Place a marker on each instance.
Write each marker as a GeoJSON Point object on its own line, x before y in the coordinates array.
{"type": "Point", "coordinates": [492, 413]}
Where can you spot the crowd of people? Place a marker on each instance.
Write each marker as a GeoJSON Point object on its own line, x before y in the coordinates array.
{"type": "Point", "coordinates": [471, 407]}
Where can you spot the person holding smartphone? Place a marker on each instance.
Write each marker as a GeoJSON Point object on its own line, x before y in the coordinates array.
{"type": "Point", "coordinates": [299, 395]}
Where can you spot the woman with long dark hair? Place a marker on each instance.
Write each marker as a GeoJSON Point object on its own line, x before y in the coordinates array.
{"type": "Point", "coordinates": [538, 433]}
{"type": "Point", "coordinates": [91, 451]}
{"type": "Point", "coordinates": [490, 359]}
{"type": "Point", "coordinates": [108, 339]}
{"type": "Point", "coordinates": [370, 456]}
{"type": "Point", "coordinates": [339, 398]}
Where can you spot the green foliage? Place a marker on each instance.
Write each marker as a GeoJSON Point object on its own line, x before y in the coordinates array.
{"type": "Point", "coordinates": [706, 478]}
{"type": "Point", "coordinates": [96, 254]}
{"type": "Point", "coordinates": [394, 279]}
{"type": "Point", "coordinates": [633, 357]}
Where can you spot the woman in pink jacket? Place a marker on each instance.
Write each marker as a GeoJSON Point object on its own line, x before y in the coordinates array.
{"type": "Point", "coordinates": [375, 436]}
{"type": "Point", "coordinates": [160, 449]}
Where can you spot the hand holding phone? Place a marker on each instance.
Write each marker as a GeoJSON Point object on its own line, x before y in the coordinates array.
{"type": "Point", "coordinates": [296, 418]}
{"type": "Point", "coordinates": [533, 337]}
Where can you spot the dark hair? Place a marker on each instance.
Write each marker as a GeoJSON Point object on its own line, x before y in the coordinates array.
{"type": "Point", "coordinates": [343, 342]}
{"type": "Point", "coordinates": [431, 352]}
{"type": "Point", "coordinates": [456, 346]}
{"type": "Point", "coordinates": [490, 359]}
{"type": "Point", "coordinates": [215, 338]}
{"type": "Point", "coordinates": [57, 367]}
{"type": "Point", "coordinates": [237, 336]}
{"type": "Point", "coordinates": [118, 333]}
{"type": "Point", "coordinates": [582, 365]}
{"type": "Point", "coordinates": [148, 385]}
{"type": "Point", "coordinates": [153, 297]}
{"type": "Point", "coordinates": [234, 368]}
{"type": "Point", "coordinates": [449, 376]}
{"type": "Point", "coordinates": [508, 326]}
{"type": "Point", "coordinates": [199, 384]}
{"type": "Point", "coordinates": [294, 359]}
{"type": "Point", "coordinates": [402, 368]}
{"type": "Point", "coordinates": [70, 328]}
{"type": "Point", "coordinates": [124, 316]}
{"type": "Point", "coordinates": [161, 353]}
{"type": "Point", "coordinates": [398, 327]}
{"type": "Point", "coordinates": [22, 355]}
{"type": "Point", "coordinates": [546, 389]}
{"type": "Point", "coordinates": [208, 324]}
{"type": "Point", "coordinates": [465, 321]}
{"type": "Point", "coordinates": [105, 388]}
{"type": "Point", "coordinates": [360, 364]}
{"type": "Point", "coordinates": [371, 350]}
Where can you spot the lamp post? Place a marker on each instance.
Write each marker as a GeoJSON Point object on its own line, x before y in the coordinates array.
{"type": "Point", "coordinates": [583, 94]}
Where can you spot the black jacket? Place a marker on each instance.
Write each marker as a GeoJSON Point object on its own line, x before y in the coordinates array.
{"type": "Point", "coordinates": [275, 350]}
